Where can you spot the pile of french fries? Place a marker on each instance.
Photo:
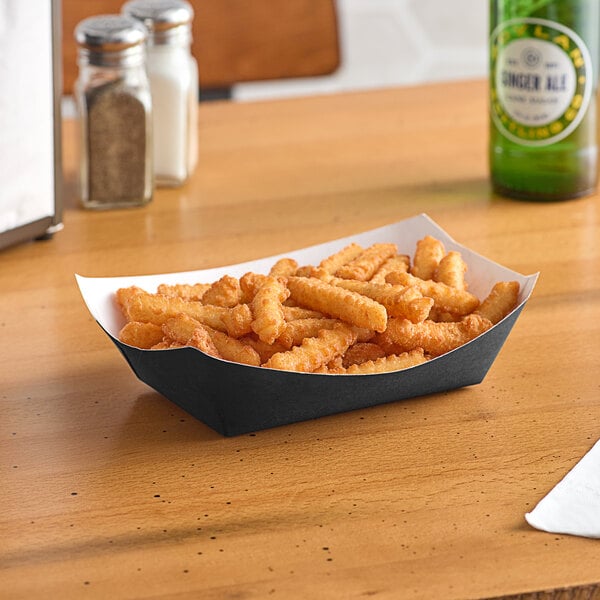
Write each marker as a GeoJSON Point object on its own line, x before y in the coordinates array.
{"type": "Point", "coordinates": [359, 311]}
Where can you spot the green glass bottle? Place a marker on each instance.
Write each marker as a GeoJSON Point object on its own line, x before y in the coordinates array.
{"type": "Point", "coordinates": [543, 80]}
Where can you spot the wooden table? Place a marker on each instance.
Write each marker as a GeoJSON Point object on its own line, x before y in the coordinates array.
{"type": "Point", "coordinates": [111, 491]}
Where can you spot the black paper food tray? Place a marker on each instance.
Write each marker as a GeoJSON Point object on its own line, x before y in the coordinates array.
{"type": "Point", "coordinates": [234, 399]}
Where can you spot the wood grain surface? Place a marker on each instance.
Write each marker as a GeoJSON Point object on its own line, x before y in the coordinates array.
{"type": "Point", "coordinates": [110, 491]}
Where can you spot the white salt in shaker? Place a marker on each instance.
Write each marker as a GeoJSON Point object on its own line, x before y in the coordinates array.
{"type": "Point", "coordinates": [173, 74]}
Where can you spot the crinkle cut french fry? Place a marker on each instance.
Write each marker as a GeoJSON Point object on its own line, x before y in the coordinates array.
{"type": "Point", "coordinates": [284, 267]}
{"type": "Point", "coordinates": [428, 254]}
{"type": "Point", "coordinates": [265, 351]}
{"type": "Point", "coordinates": [224, 292]}
{"type": "Point", "coordinates": [362, 352]}
{"type": "Point", "coordinates": [394, 362]}
{"type": "Point", "coordinates": [345, 305]}
{"type": "Point", "coordinates": [180, 328]}
{"type": "Point", "coordinates": [314, 352]}
{"type": "Point", "coordinates": [399, 301]}
{"type": "Point", "coordinates": [440, 316]}
{"type": "Point", "coordinates": [451, 271]}
{"type": "Point", "coordinates": [250, 282]}
{"type": "Point", "coordinates": [364, 266]}
{"type": "Point", "coordinates": [267, 309]}
{"type": "Point", "coordinates": [388, 344]}
{"type": "Point", "coordinates": [321, 273]}
{"type": "Point", "coordinates": [233, 350]}
{"type": "Point", "coordinates": [445, 298]}
{"type": "Point", "coordinates": [186, 291]}
{"type": "Point", "coordinates": [124, 296]}
{"type": "Point", "coordinates": [503, 298]}
{"type": "Point", "coordinates": [186, 331]}
{"type": "Point", "coordinates": [295, 331]}
{"type": "Point", "coordinates": [237, 320]}
{"type": "Point", "coordinates": [333, 262]}
{"type": "Point", "coordinates": [400, 262]}
{"type": "Point", "coordinates": [333, 367]}
{"type": "Point", "coordinates": [202, 340]}
{"type": "Point", "coordinates": [436, 338]}
{"type": "Point", "coordinates": [141, 335]}
{"type": "Point", "coordinates": [167, 345]}
{"type": "Point", "coordinates": [155, 308]}
{"type": "Point", "coordinates": [304, 271]}
{"type": "Point", "coordinates": [291, 313]}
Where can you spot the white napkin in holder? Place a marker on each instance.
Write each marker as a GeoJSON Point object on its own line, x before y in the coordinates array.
{"type": "Point", "coordinates": [30, 95]}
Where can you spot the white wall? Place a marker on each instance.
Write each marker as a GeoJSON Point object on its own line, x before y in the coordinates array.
{"type": "Point", "coordinates": [396, 42]}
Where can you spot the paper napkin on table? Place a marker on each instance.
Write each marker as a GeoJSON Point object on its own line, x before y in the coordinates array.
{"type": "Point", "coordinates": [573, 505]}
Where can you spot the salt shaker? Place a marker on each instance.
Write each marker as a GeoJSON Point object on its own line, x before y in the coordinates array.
{"type": "Point", "coordinates": [114, 104]}
{"type": "Point", "coordinates": [173, 74]}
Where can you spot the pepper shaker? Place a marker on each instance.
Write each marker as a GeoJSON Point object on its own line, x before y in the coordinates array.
{"type": "Point", "coordinates": [114, 104]}
{"type": "Point", "coordinates": [173, 74]}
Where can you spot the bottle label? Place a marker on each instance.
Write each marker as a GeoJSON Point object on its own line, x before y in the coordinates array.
{"type": "Point", "coordinates": [541, 80]}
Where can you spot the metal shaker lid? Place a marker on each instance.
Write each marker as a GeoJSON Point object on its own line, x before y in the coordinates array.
{"type": "Point", "coordinates": [110, 33]}
{"type": "Point", "coordinates": [160, 15]}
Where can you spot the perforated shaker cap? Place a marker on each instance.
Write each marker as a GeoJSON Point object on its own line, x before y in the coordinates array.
{"type": "Point", "coordinates": [108, 39]}
{"type": "Point", "coordinates": [164, 19]}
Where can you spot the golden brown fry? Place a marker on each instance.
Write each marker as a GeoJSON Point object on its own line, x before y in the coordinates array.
{"type": "Point", "coordinates": [249, 283]}
{"type": "Point", "coordinates": [267, 309]}
{"type": "Point", "coordinates": [345, 305]}
{"type": "Point", "coordinates": [362, 352]}
{"type": "Point", "coordinates": [167, 345]}
{"type": "Point", "coordinates": [124, 296]}
{"type": "Point", "coordinates": [428, 254]}
{"type": "Point", "coordinates": [291, 313]}
{"type": "Point", "coordinates": [314, 352]}
{"type": "Point", "coordinates": [387, 343]}
{"type": "Point", "coordinates": [363, 334]}
{"type": "Point", "coordinates": [265, 351]}
{"type": "Point", "coordinates": [441, 316]}
{"type": "Point", "coordinates": [503, 298]}
{"type": "Point", "coordinates": [445, 298]}
{"type": "Point", "coordinates": [295, 331]}
{"type": "Point", "coordinates": [202, 340]}
{"type": "Point", "coordinates": [237, 320]}
{"type": "Point", "coordinates": [451, 271]}
{"type": "Point", "coordinates": [141, 335]}
{"type": "Point", "coordinates": [399, 301]}
{"type": "Point", "coordinates": [364, 266]}
{"type": "Point", "coordinates": [183, 290]}
{"type": "Point", "coordinates": [155, 308]}
{"type": "Point", "coordinates": [333, 367]}
{"type": "Point", "coordinates": [321, 273]}
{"type": "Point", "coordinates": [234, 350]}
{"type": "Point", "coordinates": [284, 267]}
{"type": "Point", "coordinates": [304, 271]}
{"type": "Point", "coordinates": [186, 331]}
{"type": "Point", "coordinates": [332, 263]}
{"type": "Point", "coordinates": [224, 292]}
{"type": "Point", "coordinates": [400, 262]}
{"type": "Point", "coordinates": [436, 338]}
{"type": "Point", "coordinates": [180, 328]}
{"type": "Point", "coordinates": [394, 362]}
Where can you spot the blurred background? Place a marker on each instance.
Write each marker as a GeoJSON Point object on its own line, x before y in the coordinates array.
{"type": "Point", "coordinates": [261, 49]}
{"type": "Point", "coordinates": [395, 42]}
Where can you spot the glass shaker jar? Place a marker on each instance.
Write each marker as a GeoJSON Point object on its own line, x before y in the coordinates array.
{"type": "Point", "coordinates": [114, 105]}
{"type": "Point", "coordinates": [173, 74]}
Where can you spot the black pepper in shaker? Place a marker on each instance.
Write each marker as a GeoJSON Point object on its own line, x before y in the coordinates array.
{"type": "Point", "coordinates": [114, 105]}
